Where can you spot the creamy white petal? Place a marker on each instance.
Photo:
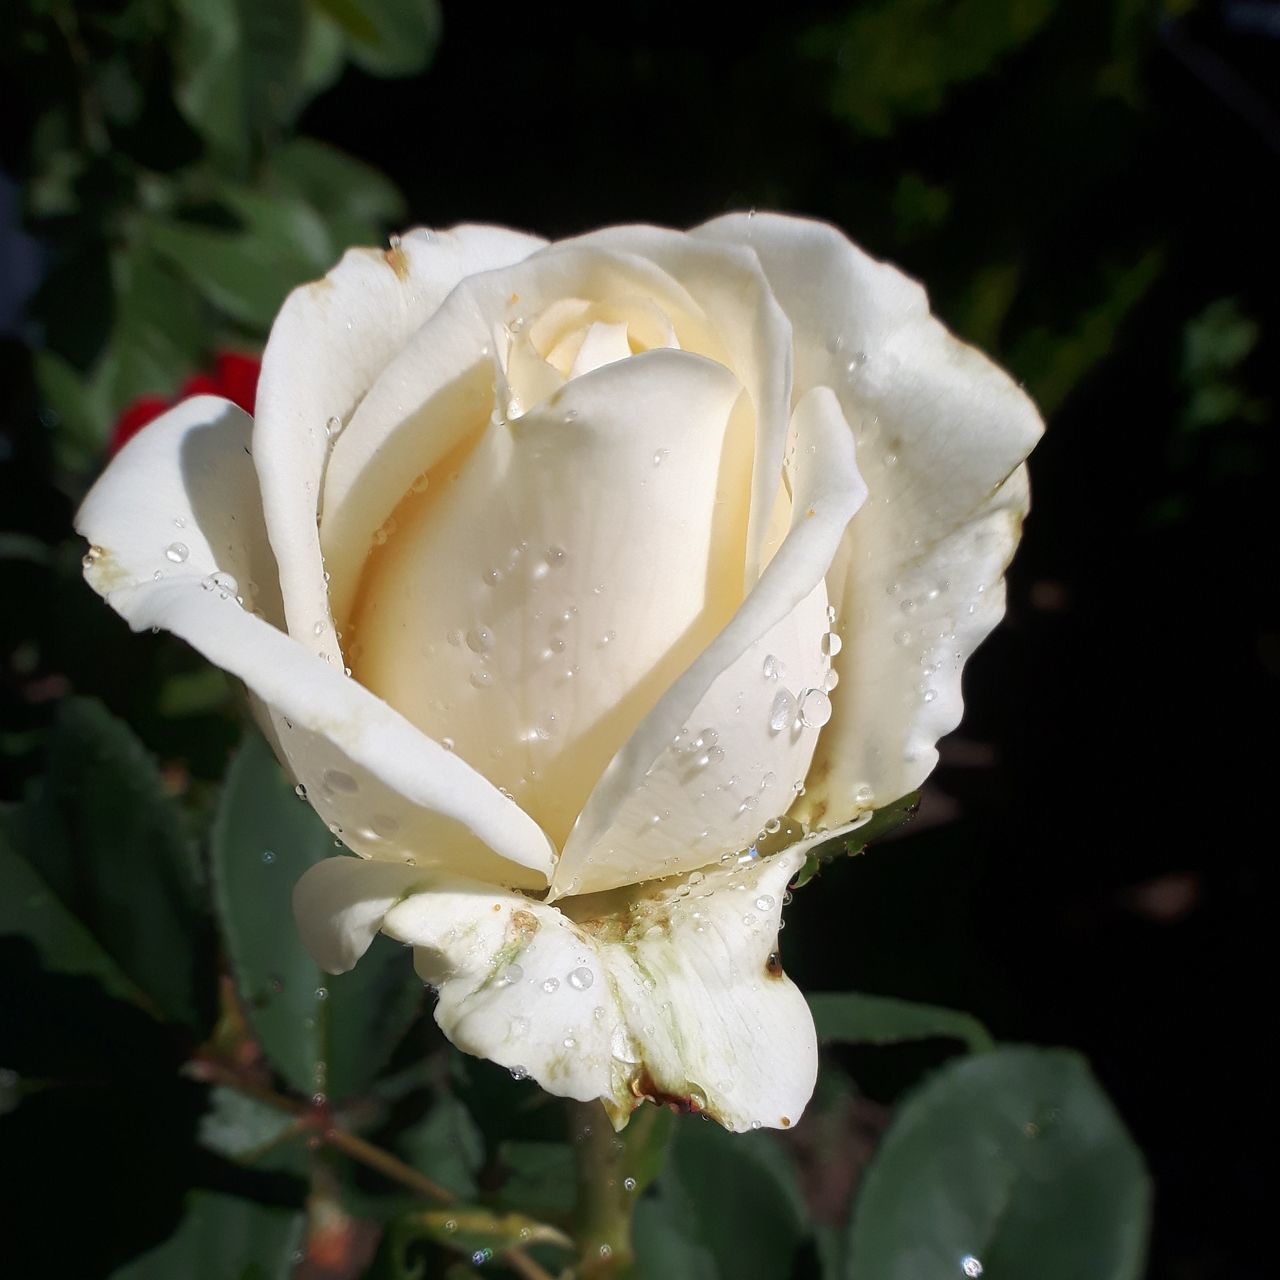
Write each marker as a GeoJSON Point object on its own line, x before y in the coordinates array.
{"type": "Point", "coordinates": [671, 991]}
{"type": "Point", "coordinates": [942, 433]}
{"type": "Point", "coordinates": [729, 285]}
{"type": "Point", "coordinates": [327, 346]}
{"type": "Point", "coordinates": [615, 840]}
{"type": "Point", "coordinates": [177, 535]}
{"type": "Point", "coordinates": [533, 605]}
{"type": "Point", "coordinates": [436, 395]}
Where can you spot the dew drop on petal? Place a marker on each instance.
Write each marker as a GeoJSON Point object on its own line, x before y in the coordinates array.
{"type": "Point", "coordinates": [550, 985]}
{"type": "Point", "coordinates": [518, 1073]}
{"type": "Point", "coordinates": [480, 640]}
{"type": "Point", "coordinates": [782, 715]}
{"type": "Point", "coordinates": [580, 979]}
{"type": "Point", "coordinates": [831, 644]}
{"type": "Point", "coordinates": [175, 551]}
{"type": "Point", "coordinates": [338, 780]}
{"type": "Point", "coordinates": [815, 708]}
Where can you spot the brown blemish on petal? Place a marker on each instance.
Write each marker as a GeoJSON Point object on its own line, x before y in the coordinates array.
{"type": "Point", "coordinates": [397, 261]}
{"type": "Point", "coordinates": [773, 965]}
{"type": "Point", "coordinates": [647, 1089]}
{"type": "Point", "coordinates": [525, 924]}
{"type": "Point", "coordinates": [785, 1122]}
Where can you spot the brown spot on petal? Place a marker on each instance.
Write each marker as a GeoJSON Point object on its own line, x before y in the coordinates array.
{"type": "Point", "coordinates": [773, 965]}
{"type": "Point", "coordinates": [785, 1122]}
{"type": "Point", "coordinates": [646, 1088]}
{"type": "Point", "coordinates": [398, 263]}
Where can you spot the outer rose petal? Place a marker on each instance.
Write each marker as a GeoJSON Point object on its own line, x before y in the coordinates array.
{"type": "Point", "coordinates": [330, 341]}
{"type": "Point", "coordinates": [670, 991]}
{"type": "Point", "coordinates": [942, 433]}
{"type": "Point", "coordinates": [615, 841]}
{"type": "Point", "coordinates": [177, 533]}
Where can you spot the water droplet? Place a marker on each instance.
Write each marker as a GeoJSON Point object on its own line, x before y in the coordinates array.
{"type": "Point", "coordinates": [337, 780]}
{"type": "Point", "coordinates": [223, 583]}
{"type": "Point", "coordinates": [569, 1042]}
{"type": "Point", "coordinates": [318, 629]}
{"type": "Point", "coordinates": [831, 644]}
{"type": "Point", "coordinates": [782, 715]}
{"type": "Point", "coordinates": [550, 985]}
{"type": "Point", "coordinates": [772, 826]}
{"type": "Point", "coordinates": [970, 1266]}
{"type": "Point", "coordinates": [660, 456]}
{"type": "Point", "coordinates": [774, 668]}
{"type": "Point", "coordinates": [175, 551]}
{"type": "Point", "coordinates": [322, 993]}
{"type": "Point", "coordinates": [447, 743]}
{"type": "Point", "coordinates": [929, 695]}
{"type": "Point", "coordinates": [830, 680]}
{"type": "Point", "coordinates": [512, 974]}
{"type": "Point", "coordinates": [556, 556]}
{"type": "Point", "coordinates": [480, 640]}
{"type": "Point", "coordinates": [606, 1252]}
{"type": "Point", "coordinates": [268, 857]}
{"type": "Point", "coordinates": [581, 978]}
{"type": "Point", "coordinates": [519, 1073]}
{"type": "Point", "coordinates": [764, 902]}
{"type": "Point", "coordinates": [333, 427]}
{"type": "Point", "coordinates": [481, 679]}
{"type": "Point", "coordinates": [863, 795]}
{"type": "Point", "coordinates": [300, 791]}
{"type": "Point", "coordinates": [815, 708]}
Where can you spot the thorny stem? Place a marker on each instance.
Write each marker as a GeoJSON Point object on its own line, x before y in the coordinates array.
{"type": "Point", "coordinates": [603, 1226]}
{"type": "Point", "coordinates": [354, 1146]}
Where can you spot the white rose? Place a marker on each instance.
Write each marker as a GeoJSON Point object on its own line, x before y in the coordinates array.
{"type": "Point", "coordinates": [557, 584]}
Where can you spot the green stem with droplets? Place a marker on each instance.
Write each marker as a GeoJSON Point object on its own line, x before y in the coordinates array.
{"type": "Point", "coordinates": [603, 1217]}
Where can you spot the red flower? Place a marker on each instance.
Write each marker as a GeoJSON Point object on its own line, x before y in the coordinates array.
{"type": "Point", "coordinates": [234, 377]}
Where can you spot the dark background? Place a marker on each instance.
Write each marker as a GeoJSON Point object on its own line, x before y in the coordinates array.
{"type": "Point", "coordinates": [1090, 192]}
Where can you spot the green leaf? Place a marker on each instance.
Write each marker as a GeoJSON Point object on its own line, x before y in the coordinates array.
{"type": "Point", "coordinates": [324, 1034]}
{"type": "Point", "coordinates": [470, 1229]}
{"type": "Point", "coordinates": [239, 70]}
{"type": "Point", "coordinates": [252, 1133]}
{"type": "Point", "coordinates": [539, 1178]}
{"type": "Point", "coordinates": [745, 1208]}
{"type": "Point", "coordinates": [848, 1017]}
{"type": "Point", "coordinates": [446, 1145]}
{"type": "Point", "coordinates": [880, 823]}
{"type": "Point", "coordinates": [897, 59]}
{"type": "Point", "coordinates": [222, 1237]}
{"type": "Point", "coordinates": [1015, 1159]}
{"type": "Point", "coordinates": [355, 201]}
{"type": "Point", "coordinates": [158, 335]}
{"type": "Point", "coordinates": [30, 909]}
{"type": "Point", "coordinates": [246, 271]}
{"type": "Point", "coordinates": [109, 842]}
{"type": "Point", "coordinates": [387, 37]}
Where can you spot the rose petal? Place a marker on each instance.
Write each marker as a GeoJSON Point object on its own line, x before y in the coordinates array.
{"type": "Point", "coordinates": [329, 343]}
{"type": "Point", "coordinates": [177, 534]}
{"type": "Point", "coordinates": [669, 991]}
{"type": "Point", "coordinates": [615, 840]}
{"type": "Point", "coordinates": [728, 284]}
{"type": "Point", "coordinates": [942, 433]}
{"type": "Point", "coordinates": [532, 610]}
